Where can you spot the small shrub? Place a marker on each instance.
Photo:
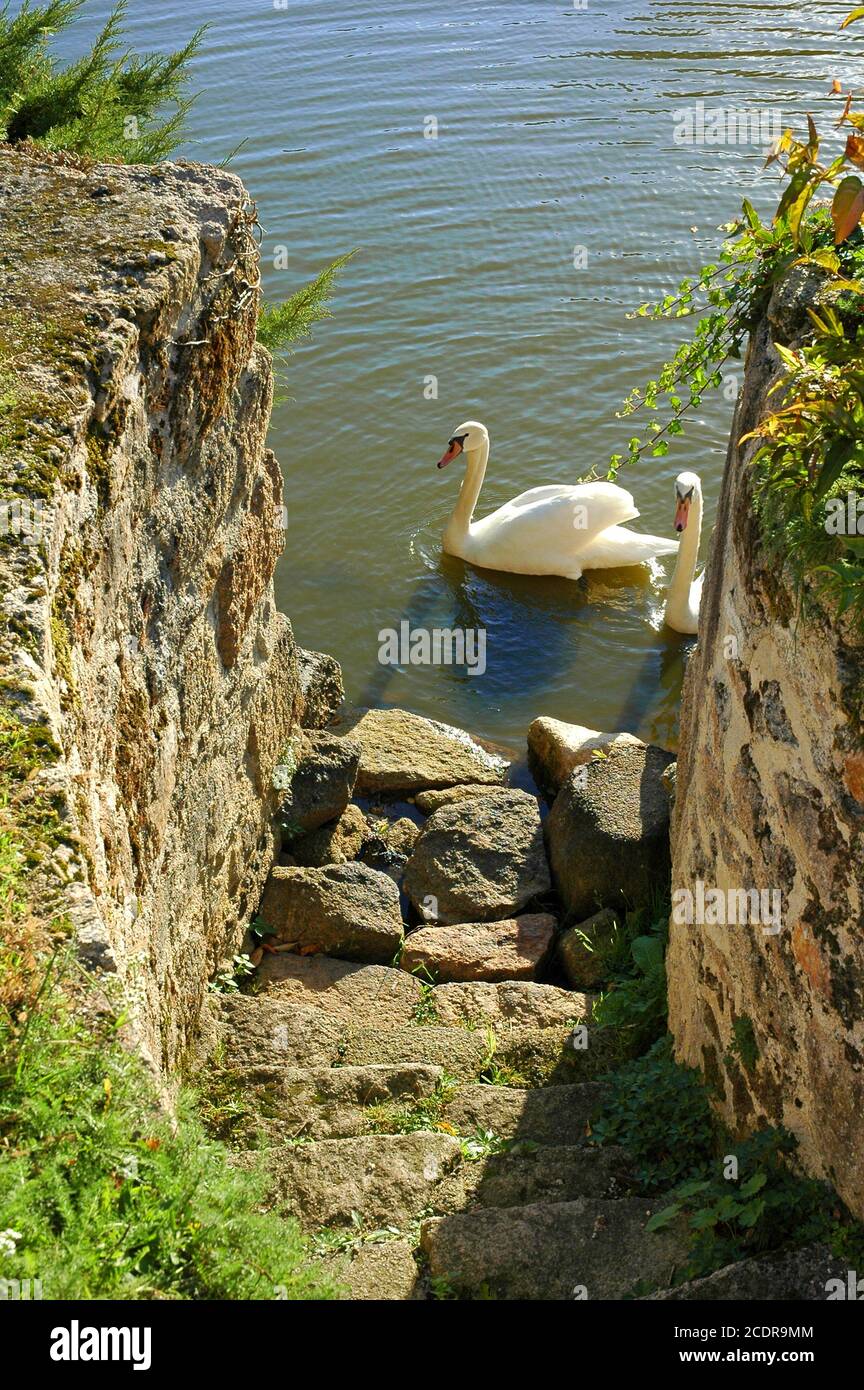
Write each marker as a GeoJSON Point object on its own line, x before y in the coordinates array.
{"type": "Point", "coordinates": [658, 1111]}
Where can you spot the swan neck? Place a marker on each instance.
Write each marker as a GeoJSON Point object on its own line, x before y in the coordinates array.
{"type": "Point", "coordinates": [475, 471]}
{"type": "Point", "coordinates": [688, 549]}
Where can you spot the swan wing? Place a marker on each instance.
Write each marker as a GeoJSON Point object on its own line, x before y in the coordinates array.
{"type": "Point", "coordinates": [586, 508]}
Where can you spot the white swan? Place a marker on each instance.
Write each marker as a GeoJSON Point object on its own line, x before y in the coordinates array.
{"type": "Point", "coordinates": [560, 529]}
{"type": "Point", "coordinates": [685, 592]}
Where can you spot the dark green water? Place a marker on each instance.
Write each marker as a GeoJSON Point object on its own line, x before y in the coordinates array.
{"type": "Point", "coordinates": [555, 130]}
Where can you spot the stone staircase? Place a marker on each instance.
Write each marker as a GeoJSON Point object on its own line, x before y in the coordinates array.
{"type": "Point", "coordinates": [410, 1085]}
{"type": "Point", "coordinates": [417, 1170]}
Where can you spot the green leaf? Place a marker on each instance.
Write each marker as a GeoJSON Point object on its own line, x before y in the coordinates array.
{"type": "Point", "coordinates": [754, 1184]}
{"type": "Point", "coordinates": [841, 452]}
{"type": "Point", "coordinates": [663, 1218]}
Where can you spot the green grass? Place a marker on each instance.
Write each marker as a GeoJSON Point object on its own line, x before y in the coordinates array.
{"type": "Point", "coordinates": [631, 1012]}
{"type": "Point", "coordinates": [109, 1196]}
{"type": "Point", "coordinates": [422, 1114]}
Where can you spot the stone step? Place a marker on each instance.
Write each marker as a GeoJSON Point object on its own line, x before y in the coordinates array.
{"type": "Point", "coordinates": [347, 991]}
{"type": "Point", "coordinates": [383, 995]}
{"type": "Point", "coordinates": [370, 1182]}
{"type": "Point", "coordinates": [377, 1270]}
{"type": "Point", "coordinates": [459, 1051]}
{"type": "Point", "coordinates": [555, 1115]}
{"type": "Point", "coordinates": [264, 1035]}
{"type": "Point", "coordinates": [591, 1248]}
{"type": "Point", "coordinates": [511, 1003]}
{"type": "Point", "coordinates": [810, 1274]}
{"type": "Point", "coordinates": [530, 1173]}
{"type": "Point", "coordinates": [339, 1102]}
{"type": "Point", "coordinates": [515, 949]}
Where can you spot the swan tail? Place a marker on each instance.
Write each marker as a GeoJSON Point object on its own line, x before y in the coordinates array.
{"type": "Point", "coordinates": [617, 546]}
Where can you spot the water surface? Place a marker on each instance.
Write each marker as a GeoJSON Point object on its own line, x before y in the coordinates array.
{"type": "Point", "coordinates": [555, 131]}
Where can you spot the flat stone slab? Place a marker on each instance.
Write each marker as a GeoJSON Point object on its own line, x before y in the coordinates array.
{"type": "Point", "coordinates": [334, 1102]}
{"type": "Point", "coordinates": [492, 951]}
{"type": "Point", "coordinates": [552, 1056]}
{"type": "Point", "coordinates": [512, 1003]}
{"type": "Point", "coordinates": [343, 989]}
{"type": "Point", "coordinates": [810, 1274]}
{"type": "Point", "coordinates": [402, 753]}
{"type": "Point", "coordinates": [555, 1115]}
{"type": "Point", "coordinates": [479, 860]}
{"type": "Point", "coordinates": [592, 1248]}
{"type": "Point", "coordinates": [460, 1052]}
{"type": "Point", "coordinates": [381, 1179]}
{"type": "Point", "coordinates": [543, 1174]}
{"type": "Point", "coordinates": [265, 1034]}
{"type": "Point", "coordinates": [346, 910]}
{"type": "Point", "coordinates": [384, 1270]}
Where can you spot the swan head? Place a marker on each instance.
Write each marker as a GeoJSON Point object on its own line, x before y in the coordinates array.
{"type": "Point", "coordinates": [464, 440]}
{"type": "Point", "coordinates": [687, 487]}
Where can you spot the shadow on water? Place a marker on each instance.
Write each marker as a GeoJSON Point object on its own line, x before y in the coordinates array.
{"type": "Point", "coordinates": [543, 636]}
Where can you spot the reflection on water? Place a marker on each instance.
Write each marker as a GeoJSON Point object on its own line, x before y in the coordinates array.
{"type": "Point", "coordinates": [555, 131]}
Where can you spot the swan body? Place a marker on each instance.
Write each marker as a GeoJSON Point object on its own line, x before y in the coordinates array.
{"type": "Point", "coordinates": [684, 594]}
{"type": "Point", "coordinates": [554, 530]}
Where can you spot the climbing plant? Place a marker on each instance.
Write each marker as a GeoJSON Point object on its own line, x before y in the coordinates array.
{"type": "Point", "coordinates": [808, 468]}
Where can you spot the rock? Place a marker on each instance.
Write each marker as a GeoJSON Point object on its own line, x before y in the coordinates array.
{"type": "Point", "coordinates": [545, 1174]}
{"type": "Point", "coordinates": [427, 802]}
{"type": "Point", "coordinates": [332, 1102]}
{"type": "Point", "coordinates": [551, 1056]}
{"type": "Point", "coordinates": [344, 910]}
{"type": "Point", "coordinates": [556, 748]}
{"type": "Point", "coordinates": [266, 1037]}
{"type": "Point", "coordinates": [479, 860]}
{"type": "Point", "coordinates": [336, 843]}
{"type": "Point", "coordinates": [402, 753]}
{"type": "Point", "coordinates": [141, 504]}
{"type": "Point", "coordinates": [384, 1271]}
{"type": "Point", "coordinates": [555, 1115]}
{"type": "Point", "coordinates": [321, 784]}
{"type": "Point", "coordinates": [670, 782]}
{"type": "Point", "coordinates": [388, 845]}
{"type": "Point", "coordinates": [579, 949]}
{"type": "Point", "coordinates": [320, 688]}
{"type": "Point", "coordinates": [342, 989]}
{"type": "Point", "coordinates": [787, 1276]}
{"type": "Point", "coordinates": [548, 1251]}
{"type": "Point", "coordinates": [377, 1179]}
{"type": "Point", "coordinates": [513, 1003]}
{"type": "Point", "coordinates": [510, 950]}
{"type": "Point", "coordinates": [608, 832]}
{"type": "Point", "coordinates": [459, 1051]}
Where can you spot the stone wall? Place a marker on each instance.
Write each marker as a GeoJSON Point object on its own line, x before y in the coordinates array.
{"type": "Point", "coordinates": [771, 796]}
{"type": "Point", "coordinates": [142, 524]}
